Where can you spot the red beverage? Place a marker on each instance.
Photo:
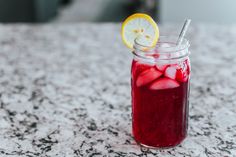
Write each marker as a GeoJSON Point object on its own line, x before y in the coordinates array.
{"type": "Point", "coordinates": [160, 101]}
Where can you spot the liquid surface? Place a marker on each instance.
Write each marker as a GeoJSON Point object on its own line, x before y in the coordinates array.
{"type": "Point", "coordinates": [160, 103]}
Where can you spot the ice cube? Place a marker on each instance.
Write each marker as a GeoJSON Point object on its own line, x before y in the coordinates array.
{"type": "Point", "coordinates": [147, 76]}
{"type": "Point", "coordinates": [164, 83]}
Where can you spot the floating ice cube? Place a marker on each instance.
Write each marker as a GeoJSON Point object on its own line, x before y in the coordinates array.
{"type": "Point", "coordinates": [147, 76]}
{"type": "Point", "coordinates": [164, 83]}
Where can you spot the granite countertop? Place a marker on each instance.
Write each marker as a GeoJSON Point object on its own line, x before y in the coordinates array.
{"type": "Point", "coordinates": [65, 91]}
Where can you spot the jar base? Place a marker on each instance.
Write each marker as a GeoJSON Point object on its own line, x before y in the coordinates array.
{"type": "Point", "coordinates": [160, 147]}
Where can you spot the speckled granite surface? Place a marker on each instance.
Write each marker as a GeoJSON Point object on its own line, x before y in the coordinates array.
{"type": "Point", "coordinates": [65, 91]}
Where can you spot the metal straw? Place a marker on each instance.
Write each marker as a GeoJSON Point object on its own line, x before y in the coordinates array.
{"type": "Point", "coordinates": [183, 31]}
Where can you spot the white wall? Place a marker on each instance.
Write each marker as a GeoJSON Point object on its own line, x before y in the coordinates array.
{"type": "Point", "coordinates": [210, 11]}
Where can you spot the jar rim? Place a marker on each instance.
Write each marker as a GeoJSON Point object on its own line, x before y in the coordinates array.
{"type": "Point", "coordinates": [162, 53]}
{"type": "Point", "coordinates": [171, 49]}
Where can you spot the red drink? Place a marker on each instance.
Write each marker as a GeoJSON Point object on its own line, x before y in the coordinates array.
{"type": "Point", "coordinates": [160, 101]}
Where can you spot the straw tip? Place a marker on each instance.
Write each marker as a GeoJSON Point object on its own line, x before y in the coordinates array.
{"type": "Point", "coordinates": [188, 20]}
{"type": "Point", "coordinates": [183, 31]}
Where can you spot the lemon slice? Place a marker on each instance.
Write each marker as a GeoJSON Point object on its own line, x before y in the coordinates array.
{"type": "Point", "coordinates": [137, 25]}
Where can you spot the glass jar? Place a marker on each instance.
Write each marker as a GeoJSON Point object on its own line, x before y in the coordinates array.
{"type": "Point", "coordinates": [160, 89]}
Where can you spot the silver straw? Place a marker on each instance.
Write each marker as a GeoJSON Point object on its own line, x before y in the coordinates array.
{"type": "Point", "coordinates": [183, 31]}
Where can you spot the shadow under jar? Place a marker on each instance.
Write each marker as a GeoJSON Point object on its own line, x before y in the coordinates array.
{"type": "Point", "coordinates": [160, 78]}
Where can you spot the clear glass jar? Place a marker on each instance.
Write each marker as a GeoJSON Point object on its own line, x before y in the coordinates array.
{"type": "Point", "coordinates": [160, 89]}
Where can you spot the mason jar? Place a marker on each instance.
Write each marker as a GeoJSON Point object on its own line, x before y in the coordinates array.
{"type": "Point", "coordinates": [160, 79]}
